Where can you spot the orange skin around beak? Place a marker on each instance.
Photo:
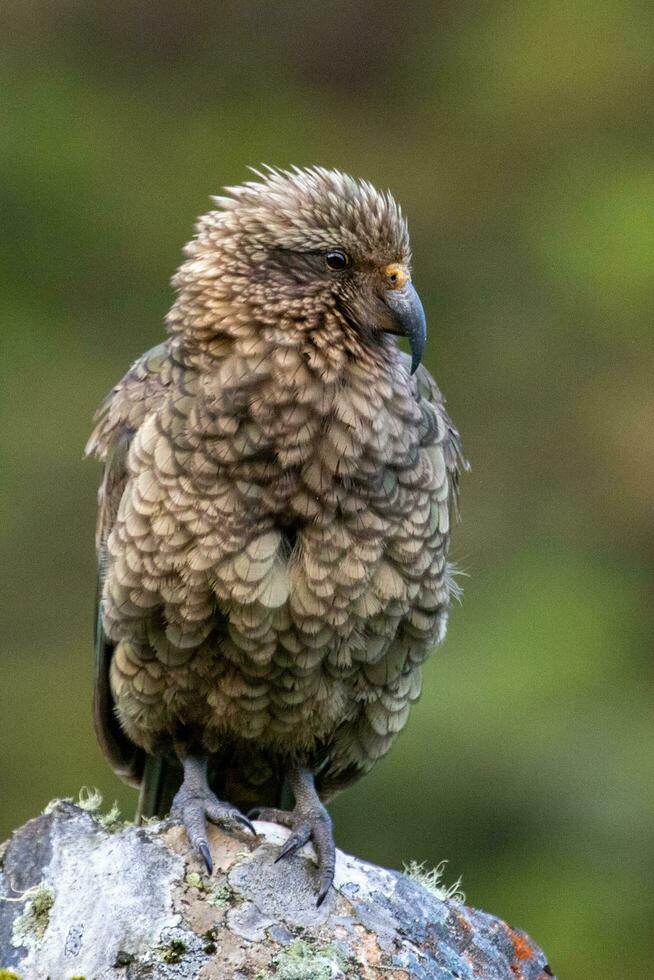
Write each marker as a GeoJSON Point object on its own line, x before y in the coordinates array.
{"type": "Point", "coordinates": [404, 303]}
{"type": "Point", "coordinates": [396, 275]}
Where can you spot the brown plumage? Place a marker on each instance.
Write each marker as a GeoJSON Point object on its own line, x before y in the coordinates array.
{"type": "Point", "coordinates": [275, 509]}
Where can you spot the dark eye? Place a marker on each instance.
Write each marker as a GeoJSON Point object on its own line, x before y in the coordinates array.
{"type": "Point", "coordinates": [336, 260]}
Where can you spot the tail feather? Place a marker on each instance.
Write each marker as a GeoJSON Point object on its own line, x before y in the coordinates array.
{"type": "Point", "coordinates": [162, 777]}
{"type": "Point", "coordinates": [160, 781]}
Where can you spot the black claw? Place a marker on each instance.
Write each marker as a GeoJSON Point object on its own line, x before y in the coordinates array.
{"type": "Point", "coordinates": [326, 883]}
{"type": "Point", "coordinates": [205, 854]}
{"type": "Point", "coordinates": [293, 844]}
{"type": "Point", "coordinates": [246, 823]}
{"type": "Point", "coordinates": [285, 851]}
{"type": "Point", "coordinates": [308, 820]}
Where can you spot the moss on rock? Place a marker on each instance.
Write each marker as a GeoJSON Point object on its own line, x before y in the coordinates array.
{"type": "Point", "coordinates": [301, 961]}
{"type": "Point", "coordinates": [32, 923]}
{"type": "Point", "coordinates": [172, 951]}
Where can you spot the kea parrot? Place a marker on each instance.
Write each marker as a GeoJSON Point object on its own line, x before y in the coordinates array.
{"type": "Point", "coordinates": [274, 516]}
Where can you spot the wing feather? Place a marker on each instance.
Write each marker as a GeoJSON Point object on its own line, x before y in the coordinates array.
{"type": "Point", "coordinates": [117, 420]}
{"type": "Point", "coordinates": [392, 688]}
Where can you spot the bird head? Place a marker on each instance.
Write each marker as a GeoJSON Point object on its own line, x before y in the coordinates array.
{"type": "Point", "coordinates": [309, 250]}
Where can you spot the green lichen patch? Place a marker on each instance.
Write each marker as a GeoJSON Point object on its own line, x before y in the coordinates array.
{"type": "Point", "coordinates": [31, 925]}
{"type": "Point", "coordinates": [195, 880]}
{"type": "Point", "coordinates": [172, 951]}
{"type": "Point", "coordinates": [57, 801]}
{"type": "Point", "coordinates": [9, 975]}
{"type": "Point", "coordinates": [301, 961]}
{"type": "Point", "coordinates": [146, 821]}
{"type": "Point", "coordinates": [111, 819]}
{"type": "Point", "coordinates": [221, 895]}
{"type": "Point", "coordinates": [432, 880]}
{"type": "Point", "coordinates": [89, 800]}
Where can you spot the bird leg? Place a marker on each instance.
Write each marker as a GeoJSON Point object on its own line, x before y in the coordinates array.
{"type": "Point", "coordinates": [195, 803]}
{"type": "Point", "coordinates": [309, 820]}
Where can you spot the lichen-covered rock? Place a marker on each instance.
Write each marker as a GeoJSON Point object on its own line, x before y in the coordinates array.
{"type": "Point", "coordinates": [79, 900]}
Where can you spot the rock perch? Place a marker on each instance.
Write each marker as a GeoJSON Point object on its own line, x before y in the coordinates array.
{"type": "Point", "coordinates": [82, 897]}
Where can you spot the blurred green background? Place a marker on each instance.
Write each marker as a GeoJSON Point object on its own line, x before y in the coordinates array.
{"type": "Point", "coordinates": [518, 138]}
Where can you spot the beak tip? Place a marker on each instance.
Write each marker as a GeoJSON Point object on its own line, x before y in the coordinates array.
{"type": "Point", "coordinates": [405, 304]}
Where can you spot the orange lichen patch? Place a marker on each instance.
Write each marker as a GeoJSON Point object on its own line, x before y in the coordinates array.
{"type": "Point", "coordinates": [370, 958]}
{"type": "Point", "coordinates": [370, 952]}
{"type": "Point", "coordinates": [522, 948]}
{"type": "Point", "coordinates": [462, 920]}
{"type": "Point", "coordinates": [522, 952]}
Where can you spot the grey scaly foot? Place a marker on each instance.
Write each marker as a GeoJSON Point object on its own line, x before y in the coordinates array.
{"type": "Point", "coordinates": [195, 803]}
{"type": "Point", "coordinates": [309, 820]}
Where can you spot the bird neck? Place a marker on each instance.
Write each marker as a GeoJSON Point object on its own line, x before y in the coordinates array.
{"type": "Point", "coordinates": [242, 344]}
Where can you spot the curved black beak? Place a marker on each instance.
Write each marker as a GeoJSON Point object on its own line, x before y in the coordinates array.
{"type": "Point", "coordinates": [407, 310]}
